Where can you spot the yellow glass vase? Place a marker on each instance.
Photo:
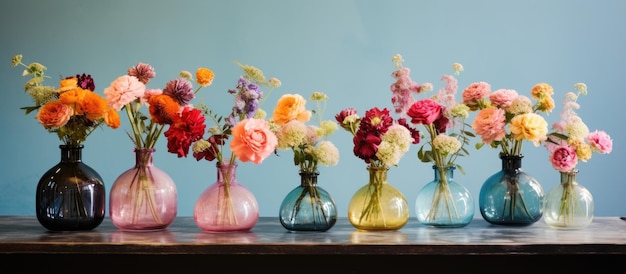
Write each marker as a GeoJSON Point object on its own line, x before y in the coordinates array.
{"type": "Point", "coordinates": [378, 205]}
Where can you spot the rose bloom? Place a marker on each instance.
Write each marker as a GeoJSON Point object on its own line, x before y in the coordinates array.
{"type": "Point", "coordinates": [252, 140]}
{"type": "Point", "coordinates": [489, 124]}
{"type": "Point", "coordinates": [54, 114]}
{"type": "Point", "coordinates": [123, 90]}
{"type": "Point", "coordinates": [291, 107]}
{"type": "Point", "coordinates": [425, 112]}
{"type": "Point", "coordinates": [204, 76]}
{"type": "Point", "coordinates": [600, 141]}
{"type": "Point", "coordinates": [563, 158]}
{"type": "Point", "coordinates": [529, 126]}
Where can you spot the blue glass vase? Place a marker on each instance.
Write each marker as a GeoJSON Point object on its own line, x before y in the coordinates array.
{"type": "Point", "coordinates": [511, 196]}
{"type": "Point", "coordinates": [308, 207]}
{"type": "Point", "coordinates": [444, 202]}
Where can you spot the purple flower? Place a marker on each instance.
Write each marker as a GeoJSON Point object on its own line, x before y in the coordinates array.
{"type": "Point", "coordinates": [181, 90]}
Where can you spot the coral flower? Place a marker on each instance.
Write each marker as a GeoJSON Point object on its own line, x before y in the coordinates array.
{"type": "Point", "coordinates": [252, 140]}
{"type": "Point", "coordinates": [489, 124]}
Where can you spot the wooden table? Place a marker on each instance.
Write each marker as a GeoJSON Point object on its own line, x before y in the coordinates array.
{"type": "Point", "coordinates": [342, 249]}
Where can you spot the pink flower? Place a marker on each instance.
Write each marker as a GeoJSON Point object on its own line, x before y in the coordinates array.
{"type": "Point", "coordinates": [475, 92]}
{"type": "Point", "coordinates": [252, 140]}
{"type": "Point", "coordinates": [402, 90]}
{"type": "Point", "coordinates": [124, 90]}
{"type": "Point", "coordinates": [425, 112]}
{"type": "Point", "coordinates": [600, 141]}
{"type": "Point", "coordinates": [564, 158]}
{"type": "Point", "coordinates": [489, 124]}
{"type": "Point", "coordinates": [503, 98]}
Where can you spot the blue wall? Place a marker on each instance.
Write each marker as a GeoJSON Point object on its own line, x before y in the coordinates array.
{"type": "Point", "coordinates": [342, 48]}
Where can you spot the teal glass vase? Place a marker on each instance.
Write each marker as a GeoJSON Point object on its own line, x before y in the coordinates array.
{"type": "Point", "coordinates": [308, 207]}
{"type": "Point", "coordinates": [511, 196]}
{"type": "Point", "coordinates": [444, 202]}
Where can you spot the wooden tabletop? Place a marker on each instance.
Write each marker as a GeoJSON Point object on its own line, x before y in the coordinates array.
{"type": "Point", "coordinates": [23, 235]}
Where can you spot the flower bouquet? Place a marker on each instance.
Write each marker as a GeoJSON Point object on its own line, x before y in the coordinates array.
{"type": "Point", "coordinates": [228, 205]}
{"type": "Point", "coordinates": [144, 197]}
{"type": "Point", "coordinates": [444, 121]}
{"type": "Point", "coordinates": [380, 141]}
{"type": "Point", "coordinates": [570, 204]}
{"type": "Point", "coordinates": [70, 195]}
{"type": "Point", "coordinates": [307, 207]}
{"type": "Point", "coordinates": [511, 196]}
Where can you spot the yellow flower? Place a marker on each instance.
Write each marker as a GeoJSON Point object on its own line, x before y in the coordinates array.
{"type": "Point", "coordinates": [204, 76]}
{"type": "Point", "coordinates": [530, 126]}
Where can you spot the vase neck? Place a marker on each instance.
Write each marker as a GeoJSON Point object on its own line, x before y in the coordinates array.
{"type": "Point", "coordinates": [378, 175]}
{"type": "Point", "coordinates": [511, 163]}
{"type": "Point", "coordinates": [441, 171]}
{"type": "Point", "coordinates": [226, 173]}
{"type": "Point", "coordinates": [308, 178]}
{"type": "Point", "coordinates": [143, 157]}
{"type": "Point", "coordinates": [71, 153]}
{"type": "Point", "coordinates": [569, 177]}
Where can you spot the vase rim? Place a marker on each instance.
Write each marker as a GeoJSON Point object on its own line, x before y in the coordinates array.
{"type": "Point", "coordinates": [71, 146]}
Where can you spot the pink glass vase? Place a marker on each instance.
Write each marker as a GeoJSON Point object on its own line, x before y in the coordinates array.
{"type": "Point", "coordinates": [143, 197]}
{"type": "Point", "coordinates": [226, 205]}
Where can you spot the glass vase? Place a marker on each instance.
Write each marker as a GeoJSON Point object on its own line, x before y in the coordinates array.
{"type": "Point", "coordinates": [226, 205]}
{"type": "Point", "coordinates": [378, 205]}
{"type": "Point", "coordinates": [144, 197]}
{"type": "Point", "coordinates": [308, 207]}
{"type": "Point", "coordinates": [569, 205]}
{"type": "Point", "coordinates": [444, 202]}
{"type": "Point", "coordinates": [511, 196]}
{"type": "Point", "coordinates": [71, 195]}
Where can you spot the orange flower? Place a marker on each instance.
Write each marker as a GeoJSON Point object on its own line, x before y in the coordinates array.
{"type": "Point", "coordinates": [162, 108]}
{"type": "Point", "coordinates": [291, 107]}
{"type": "Point", "coordinates": [252, 140]}
{"type": "Point", "coordinates": [204, 76]}
{"type": "Point", "coordinates": [67, 84]}
{"type": "Point", "coordinates": [54, 114]}
{"type": "Point", "coordinates": [93, 106]}
{"type": "Point", "coordinates": [112, 118]}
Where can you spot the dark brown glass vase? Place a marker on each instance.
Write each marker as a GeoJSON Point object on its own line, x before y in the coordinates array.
{"type": "Point", "coordinates": [71, 195]}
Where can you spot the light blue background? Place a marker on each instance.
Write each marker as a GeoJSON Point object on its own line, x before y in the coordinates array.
{"type": "Point", "coordinates": [342, 48]}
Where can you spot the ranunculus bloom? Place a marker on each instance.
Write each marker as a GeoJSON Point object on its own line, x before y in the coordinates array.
{"type": "Point", "coordinates": [503, 98]}
{"type": "Point", "coordinates": [93, 106]}
{"type": "Point", "coordinates": [425, 112]}
{"type": "Point", "coordinates": [112, 118]}
{"type": "Point", "coordinates": [204, 76]}
{"type": "Point", "coordinates": [291, 107]}
{"type": "Point", "coordinates": [163, 108]}
{"type": "Point", "coordinates": [123, 90]}
{"type": "Point", "coordinates": [529, 126]}
{"type": "Point", "coordinates": [600, 141]}
{"type": "Point", "coordinates": [252, 140]}
{"type": "Point", "coordinates": [563, 158]}
{"type": "Point", "coordinates": [54, 114]}
{"type": "Point", "coordinates": [489, 124]}
{"type": "Point", "coordinates": [143, 72]}
{"type": "Point", "coordinates": [474, 93]}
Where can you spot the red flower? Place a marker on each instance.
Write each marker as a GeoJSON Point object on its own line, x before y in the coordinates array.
{"type": "Point", "coordinates": [185, 129]}
{"type": "Point", "coordinates": [211, 152]}
{"type": "Point", "coordinates": [366, 145]}
{"type": "Point", "coordinates": [425, 112]}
